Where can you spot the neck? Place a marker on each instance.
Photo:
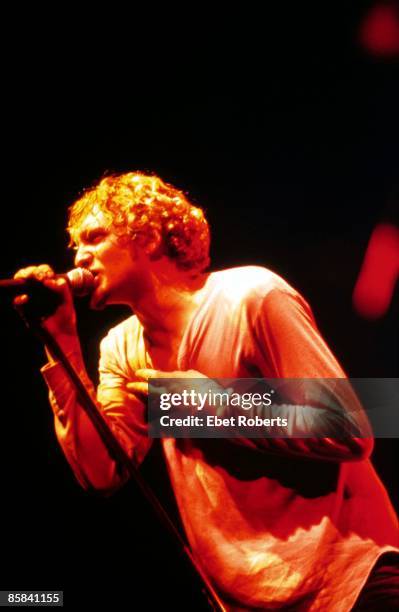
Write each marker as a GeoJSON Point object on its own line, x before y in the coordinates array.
{"type": "Point", "coordinates": [167, 303]}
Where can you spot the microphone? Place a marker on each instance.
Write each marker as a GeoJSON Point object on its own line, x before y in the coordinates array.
{"type": "Point", "coordinates": [80, 280]}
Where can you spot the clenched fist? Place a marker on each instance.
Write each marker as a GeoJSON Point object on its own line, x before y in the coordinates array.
{"type": "Point", "coordinates": [62, 322]}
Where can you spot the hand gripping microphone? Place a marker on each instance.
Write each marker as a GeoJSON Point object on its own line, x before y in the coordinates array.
{"type": "Point", "coordinates": [80, 280]}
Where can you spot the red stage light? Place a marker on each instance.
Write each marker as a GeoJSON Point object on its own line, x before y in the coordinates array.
{"type": "Point", "coordinates": [379, 32]}
{"type": "Point", "coordinates": [380, 269]}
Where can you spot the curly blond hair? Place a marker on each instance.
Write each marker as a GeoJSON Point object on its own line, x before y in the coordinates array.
{"type": "Point", "coordinates": [138, 205]}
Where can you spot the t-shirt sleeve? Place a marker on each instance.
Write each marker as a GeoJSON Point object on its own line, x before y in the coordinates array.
{"type": "Point", "coordinates": [123, 412]}
{"type": "Point", "coordinates": [287, 340]}
{"type": "Point", "coordinates": [325, 418]}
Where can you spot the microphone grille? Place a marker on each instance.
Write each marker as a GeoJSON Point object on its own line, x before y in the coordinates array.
{"type": "Point", "coordinates": [81, 281]}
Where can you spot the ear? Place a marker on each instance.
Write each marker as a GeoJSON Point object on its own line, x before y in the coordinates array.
{"type": "Point", "coordinates": [153, 245]}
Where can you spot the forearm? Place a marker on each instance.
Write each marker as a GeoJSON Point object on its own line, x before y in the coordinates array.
{"type": "Point", "coordinates": [326, 448]}
{"type": "Point", "coordinates": [78, 437]}
{"type": "Point", "coordinates": [325, 421]}
{"type": "Point", "coordinates": [70, 346]}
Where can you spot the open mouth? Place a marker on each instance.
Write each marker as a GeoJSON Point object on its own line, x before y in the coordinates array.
{"type": "Point", "coordinates": [95, 275]}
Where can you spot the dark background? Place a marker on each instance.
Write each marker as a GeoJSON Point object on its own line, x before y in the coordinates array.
{"type": "Point", "coordinates": [286, 131]}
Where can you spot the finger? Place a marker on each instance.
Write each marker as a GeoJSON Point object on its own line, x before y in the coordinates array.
{"type": "Point", "coordinates": [146, 373]}
{"type": "Point", "coordinates": [156, 391]}
{"type": "Point", "coordinates": [138, 387]}
{"type": "Point", "coordinates": [25, 272]}
{"type": "Point", "coordinates": [44, 271]}
{"type": "Point", "coordinates": [57, 284]}
{"type": "Point", "coordinates": [146, 389]}
{"type": "Point", "coordinates": [39, 272]}
{"type": "Point", "coordinates": [20, 300]}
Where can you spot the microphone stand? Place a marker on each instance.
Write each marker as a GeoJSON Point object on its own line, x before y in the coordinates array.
{"type": "Point", "coordinates": [118, 454]}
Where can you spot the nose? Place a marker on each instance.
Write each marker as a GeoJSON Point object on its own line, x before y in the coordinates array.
{"type": "Point", "coordinates": [83, 257]}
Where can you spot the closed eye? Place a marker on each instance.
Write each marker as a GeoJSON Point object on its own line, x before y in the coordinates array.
{"type": "Point", "coordinates": [92, 236]}
{"type": "Point", "coordinates": [95, 236]}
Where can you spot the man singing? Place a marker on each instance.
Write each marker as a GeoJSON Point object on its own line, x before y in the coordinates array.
{"type": "Point", "coordinates": [276, 524]}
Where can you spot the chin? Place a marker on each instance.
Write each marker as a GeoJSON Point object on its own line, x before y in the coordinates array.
{"type": "Point", "coordinates": [98, 302]}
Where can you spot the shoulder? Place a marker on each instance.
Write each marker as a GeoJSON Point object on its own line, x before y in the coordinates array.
{"type": "Point", "coordinates": [259, 293]}
{"type": "Point", "coordinates": [250, 283]}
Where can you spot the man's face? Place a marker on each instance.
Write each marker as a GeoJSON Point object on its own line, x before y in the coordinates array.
{"type": "Point", "coordinates": [111, 261]}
